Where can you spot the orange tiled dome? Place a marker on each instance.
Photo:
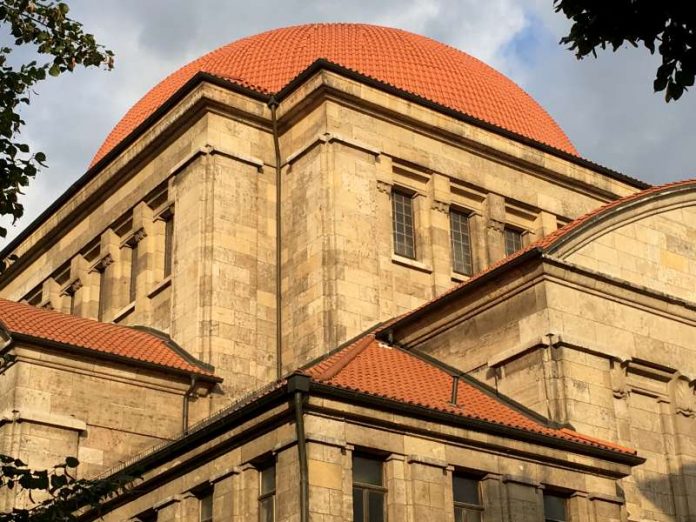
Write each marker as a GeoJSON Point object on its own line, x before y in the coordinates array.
{"type": "Point", "coordinates": [412, 63]}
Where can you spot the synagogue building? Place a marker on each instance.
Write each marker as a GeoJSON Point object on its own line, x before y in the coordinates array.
{"type": "Point", "coordinates": [346, 273]}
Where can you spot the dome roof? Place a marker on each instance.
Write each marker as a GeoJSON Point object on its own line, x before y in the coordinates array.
{"type": "Point", "coordinates": [415, 64]}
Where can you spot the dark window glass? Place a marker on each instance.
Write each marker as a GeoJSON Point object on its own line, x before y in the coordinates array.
{"type": "Point", "coordinates": [402, 220]}
{"type": "Point", "coordinates": [554, 508]}
{"type": "Point", "coordinates": [102, 295]}
{"type": "Point", "coordinates": [148, 516]}
{"type": "Point", "coordinates": [461, 243]}
{"type": "Point", "coordinates": [35, 298]}
{"type": "Point", "coordinates": [369, 493]}
{"type": "Point", "coordinates": [267, 489]}
{"type": "Point", "coordinates": [168, 238]}
{"type": "Point", "coordinates": [133, 273]}
{"type": "Point", "coordinates": [467, 503]}
{"type": "Point", "coordinates": [206, 507]}
{"type": "Point", "coordinates": [513, 241]}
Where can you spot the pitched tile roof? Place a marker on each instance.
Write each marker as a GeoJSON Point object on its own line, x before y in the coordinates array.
{"type": "Point", "coordinates": [411, 63]}
{"type": "Point", "coordinates": [375, 368]}
{"type": "Point", "coordinates": [136, 345]}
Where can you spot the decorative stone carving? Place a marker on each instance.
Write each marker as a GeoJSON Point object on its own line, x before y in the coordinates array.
{"type": "Point", "coordinates": [440, 206]}
{"type": "Point", "coordinates": [684, 397]}
{"type": "Point", "coordinates": [104, 262]}
{"type": "Point", "coordinates": [619, 388]}
{"type": "Point", "coordinates": [494, 224]}
{"type": "Point", "coordinates": [384, 187]}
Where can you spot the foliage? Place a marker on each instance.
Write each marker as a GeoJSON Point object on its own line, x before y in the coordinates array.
{"type": "Point", "coordinates": [666, 25]}
{"type": "Point", "coordinates": [56, 494]}
{"type": "Point", "coordinates": [45, 25]}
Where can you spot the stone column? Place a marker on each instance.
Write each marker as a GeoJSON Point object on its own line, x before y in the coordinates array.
{"type": "Point", "coordinates": [328, 471]}
{"type": "Point", "coordinates": [431, 486]}
{"type": "Point", "coordinates": [399, 495]}
{"type": "Point", "coordinates": [494, 224]}
{"type": "Point", "coordinates": [224, 495]}
{"type": "Point", "coordinates": [246, 487]}
{"type": "Point", "coordinates": [579, 507]}
{"type": "Point", "coordinates": [544, 224]}
{"type": "Point", "coordinates": [524, 499]}
{"type": "Point", "coordinates": [287, 503]}
{"type": "Point", "coordinates": [606, 509]}
{"type": "Point", "coordinates": [493, 498]}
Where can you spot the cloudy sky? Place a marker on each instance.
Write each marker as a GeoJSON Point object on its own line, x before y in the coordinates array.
{"type": "Point", "coordinates": [606, 106]}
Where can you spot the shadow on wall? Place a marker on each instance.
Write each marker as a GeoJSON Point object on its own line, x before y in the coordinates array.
{"type": "Point", "coordinates": [664, 497]}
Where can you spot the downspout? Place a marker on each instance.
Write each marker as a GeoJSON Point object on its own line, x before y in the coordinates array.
{"type": "Point", "coordinates": [299, 384]}
{"type": "Point", "coordinates": [187, 397]}
{"type": "Point", "coordinates": [273, 105]}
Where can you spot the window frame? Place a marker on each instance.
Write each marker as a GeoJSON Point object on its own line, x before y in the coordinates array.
{"type": "Point", "coordinates": [466, 506]}
{"type": "Point", "coordinates": [205, 496]}
{"type": "Point", "coordinates": [464, 215]}
{"type": "Point", "coordinates": [407, 195]}
{"type": "Point", "coordinates": [560, 495]}
{"type": "Point", "coordinates": [519, 232]}
{"type": "Point", "coordinates": [168, 244]}
{"type": "Point", "coordinates": [366, 487]}
{"type": "Point", "coordinates": [134, 269]}
{"type": "Point", "coordinates": [265, 495]}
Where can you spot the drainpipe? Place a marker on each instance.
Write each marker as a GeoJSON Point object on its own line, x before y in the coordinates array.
{"type": "Point", "coordinates": [187, 396]}
{"type": "Point", "coordinates": [299, 386]}
{"type": "Point", "coordinates": [273, 105]}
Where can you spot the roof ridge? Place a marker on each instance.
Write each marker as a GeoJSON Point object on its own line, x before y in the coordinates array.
{"type": "Point", "coordinates": [346, 357]}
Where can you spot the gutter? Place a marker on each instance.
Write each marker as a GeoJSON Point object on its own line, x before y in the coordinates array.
{"type": "Point", "coordinates": [299, 385]}
{"type": "Point", "coordinates": [187, 397]}
{"type": "Point", "coordinates": [273, 105]}
{"type": "Point", "coordinates": [89, 352]}
{"type": "Point", "coordinates": [412, 410]}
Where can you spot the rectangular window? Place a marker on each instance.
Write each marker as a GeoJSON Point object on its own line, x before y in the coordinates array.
{"type": "Point", "coordinates": [205, 506]}
{"type": "Point", "coordinates": [147, 516]}
{"type": "Point", "coordinates": [369, 493]}
{"type": "Point", "coordinates": [133, 273]}
{"type": "Point", "coordinates": [168, 243]}
{"type": "Point", "coordinates": [467, 501]}
{"type": "Point", "coordinates": [461, 243]}
{"type": "Point", "coordinates": [402, 220]}
{"type": "Point", "coordinates": [267, 491]}
{"type": "Point", "coordinates": [513, 240]}
{"type": "Point", "coordinates": [554, 508]}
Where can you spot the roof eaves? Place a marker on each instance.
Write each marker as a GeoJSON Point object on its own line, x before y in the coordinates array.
{"type": "Point", "coordinates": [323, 63]}
{"type": "Point", "coordinates": [198, 78]}
{"type": "Point", "coordinates": [122, 359]}
{"type": "Point", "coordinates": [373, 400]}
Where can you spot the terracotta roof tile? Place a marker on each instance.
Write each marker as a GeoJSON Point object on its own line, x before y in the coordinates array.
{"type": "Point", "coordinates": [375, 368]}
{"type": "Point", "coordinates": [106, 338]}
{"type": "Point", "coordinates": [411, 63]}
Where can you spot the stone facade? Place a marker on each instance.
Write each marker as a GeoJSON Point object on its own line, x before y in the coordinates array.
{"type": "Point", "coordinates": [178, 231]}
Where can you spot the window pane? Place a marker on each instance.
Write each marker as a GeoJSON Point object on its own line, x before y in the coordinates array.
{"type": "Point", "coordinates": [267, 509]}
{"type": "Point", "coordinates": [376, 506]}
{"type": "Point", "coordinates": [268, 480]}
{"type": "Point", "coordinates": [358, 505]}
{"type": "Point", "coordinates": [206, 505]}
{"type": "Point", "coordinates": [367, 471]}
{"type": "Point", "coordinates": [554, 507]}
{"type": "Point", "coordinates": [461, 243]}
{"type": "Point", "coordinates": [102, 296]}
{"type": "Point", "coordinates": [465, 490]}
{"type": "Point", "coordinates": [168, 237]}
{"type": "Point", "coordinates": [133, 272]}
{"type": "Point", "coordinates": [513, 241]}
{"type": "Point", "coordinates": [402, 220]}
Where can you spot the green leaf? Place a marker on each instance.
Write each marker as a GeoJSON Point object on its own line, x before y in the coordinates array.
{"type": "Point", "coordinates": [54, 70]}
